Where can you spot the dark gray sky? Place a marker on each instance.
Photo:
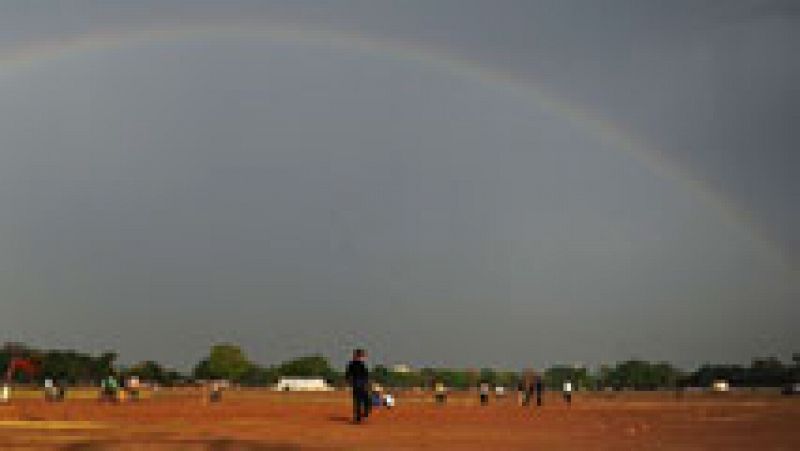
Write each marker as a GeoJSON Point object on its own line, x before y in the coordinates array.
{"type": "Point", "coordinates": [158, 195]}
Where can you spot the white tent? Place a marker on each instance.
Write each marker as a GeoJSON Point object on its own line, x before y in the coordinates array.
{"type": "Point", "coordinates": [302, 384]}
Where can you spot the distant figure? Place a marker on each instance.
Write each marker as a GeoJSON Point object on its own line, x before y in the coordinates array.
{"type": "Point", "coordinates": [215, 392]}
{"type": "Point", "coordinates": [388, 400]}
{"type": "Point", "coordinates": [358, 377]}
{"type": "Point", "coordinates": [61, 389]}
{"type": "Point", "coordinates": [567, 391]}
{"type": "Point", "coordinates": [484, 393]}
{"type": "Point", "coordinates": [377, 396]}
{"type": "Point", "coordinates": [440, 393]}
{"type": "Point", "coordinates": [500, 391]}
{"type": "Point", "coordinates": [5, 394]}
{"type": "Point", "coordinates": [108, 389]}
{"type": "Point", "coordinates": [539, 388]}
{"type": "Point", "coordinates": [133, 385]}
{"type": "Point", "coordinates": [526, 389]}
{"type": "Point", "coordinates": [49, 390]}
{"type": "Point", "coordinates": [53, 392]}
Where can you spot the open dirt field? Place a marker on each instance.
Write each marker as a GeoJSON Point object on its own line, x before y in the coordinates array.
{"type": "Point", "coordinates": [272, 421]}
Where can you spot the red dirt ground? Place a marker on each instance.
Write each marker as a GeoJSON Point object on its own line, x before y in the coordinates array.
{"type": "Point", "coordinates": [260, 420]}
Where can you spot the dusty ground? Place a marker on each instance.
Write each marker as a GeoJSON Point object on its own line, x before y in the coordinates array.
{"type": "Point", "coordinates": [262, 420]}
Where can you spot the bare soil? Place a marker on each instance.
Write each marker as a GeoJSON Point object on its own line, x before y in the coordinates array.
{"type": "Point", "coordinates": [262, 420]}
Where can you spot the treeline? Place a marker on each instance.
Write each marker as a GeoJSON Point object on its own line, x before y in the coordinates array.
{"type": "Point", "coordinates": [67, 365]}
{"type": "Point", "coordinates": [453, 378]}
{"type": "Point", "coordinates": [769, 372]}
{"type": "Point", "coordinates": [644, 375]}
{"type": "Point", "coordinates": [229, 362]}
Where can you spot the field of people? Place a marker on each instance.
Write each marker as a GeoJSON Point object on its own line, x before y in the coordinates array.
{"type": "Point", "coordinates": [260, 419]}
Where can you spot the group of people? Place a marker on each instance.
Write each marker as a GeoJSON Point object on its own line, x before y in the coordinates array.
{"type": "Point", "coordinates": [534, 388]}
{"type": "Point", "coordinates": [54, 391]}
{"type": "Point", "coordinates": [528, 389]}
{"type": "Point", "coordinates": [357, 375]}
{"type": "Point", "coordinates": [112, 391]}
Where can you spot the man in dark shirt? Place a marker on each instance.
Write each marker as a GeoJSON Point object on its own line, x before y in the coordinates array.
{"type": "Point", "coordinates": [539, 387]}
{"type": "Point", "coordinates": [358, 377]}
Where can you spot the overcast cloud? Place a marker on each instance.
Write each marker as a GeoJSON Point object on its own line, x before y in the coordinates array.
{"type": "Point", "coordinates": [160, 196]}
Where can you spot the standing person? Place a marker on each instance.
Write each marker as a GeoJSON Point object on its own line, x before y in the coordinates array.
{"type": "Point", "coordinates": [358, 377]}
{"type": "Point", "coordinates": [215, 392]}
{"type": "Point", "coordinates": [521, 389]}
{"type": "Point", "coordinates": [61, 389]}
{"type": "Point", "coordinates": [49, 390]}
{"type": "Point", "coordinates": [539, 387]}
{"type": "Point", "coordinates": [109, 387]}
{"type": "Point", "coordinates": [568, 391]}
{"type": "Point", "coordinates": [530, 391]}
{"type": "Point", "coordinates": [526, 387]}
{"type": "Point", "coordinates": [484, 392]}
{"type": "Point", "coordinates": [132, 386]}
{"type": "Point", "coordinates": [499, 391]}
{"type": "Point", "coordinates": [440, 393]}
{"type": "Point", "coordinates": [53, 391]}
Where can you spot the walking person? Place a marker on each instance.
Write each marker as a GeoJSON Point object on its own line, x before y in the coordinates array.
{"type": "Point", "coordinates": [539, 388]}
{"type": "Point", "coordinates": [526, 388]}
{"type": "Point", "coordinates": [357, 375]}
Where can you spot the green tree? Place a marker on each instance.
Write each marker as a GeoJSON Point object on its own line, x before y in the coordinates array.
{"type": "Point", "coordinates": [768, 372]}
{"type": "Point", "coordinates": [603, 378]}
{"type": "Point", "coordinates": [508, 379]}
{"type": "Point", "coordinates": [704, 376]}
{"type": "Point", "coordinates": [555, 377]}
{"type": "Point", "coordinates": [643, 375]}
{"type": "Point", "coordinates": [225, 361]}
{"type": "Point", "coordinates": [105, 363]}
{"type": "Point", "coordinates": [459, 379]}
{"type": "Point", "coordinates": [150, 370]}
{"type": "Point", "coordinates": [404, 380]}
{"type": "Point", "coordinates": [381, 375]}
{"type": "Point", "coordinates": [488, 375]}
{"type": "Point", "coordinates": [259, 376]}
{"type": "Point", "coordinates": [309, 366]}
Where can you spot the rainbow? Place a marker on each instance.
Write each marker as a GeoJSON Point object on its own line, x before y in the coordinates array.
{"type": "Point", "coordinates": [31, 55]}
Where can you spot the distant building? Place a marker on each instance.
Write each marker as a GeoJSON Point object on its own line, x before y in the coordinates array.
{"type": "Point", "coordinates": [302, 384]}
{"type": "Point", "coordinates": [401, 368]}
